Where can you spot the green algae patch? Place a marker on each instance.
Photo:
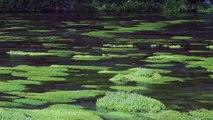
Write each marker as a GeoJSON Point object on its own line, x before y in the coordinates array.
{"type": "Point", "coordinates": [49, 39]}
{"type": "Point", "coordinates": [28, 101]}
{"type": "Point", "coordinates": [103, 33]}
{"type": "Point", "coordinates": [15, 85]}
{"type": "Point", "coordinates": [129, 88]}
{"type": "Point", "coordinates": [118, 49]}
{"type": "Point", "coordinates": [206, 62]}
{"type": "Point", "coordinates": [69, 23]}
{"type": "Point", "coordinates": [41, 31]}
{"type": "Point", "coordinates": [15, 28]}
{"type": "Point", "coordinates": [210, 47]}
{"type": "Point", "coordinates": [9, 104]}
{"type": "Point", "coordinates": [173, 46]}
{"type": "Point", "coordinates": [182, 37]}
{"type": "Point", "coordinates": [11, 38]}
{"type": "Point", "coordinates": [96, 57]}
{"type": "Point", "coordinates": [54, 45]}
{"type": "Point", "coordinates": [142, 27]}
{"type": "Point", "coordinates": [165, 58]}
{"type": "Point", "coordinates": [129, 102]}
{"type": "Point", "coordinates": [59, 53]}
{"type": "Point", "coordinates": [170, 115]}
{"type": "Point", "coordinates": [6, 114]}
{"type": "Point", "coordinates": [82, 67]}
{"type": "Point", "coordinates": [11, 87]}
{"type": "Point", "coordinates": [39, 73]}
{"type": "Point", "coordinates": [60, 96]}
{"type": "Point", "coordinates": [61, 112]}
{"type": "Point", "coordinates": [143, 75]}
{"type": "Point", "coordinates": [202, 114]}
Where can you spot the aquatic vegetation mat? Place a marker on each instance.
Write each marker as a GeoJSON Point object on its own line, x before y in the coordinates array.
{"type": "Point", "coordinates": [129, 102]}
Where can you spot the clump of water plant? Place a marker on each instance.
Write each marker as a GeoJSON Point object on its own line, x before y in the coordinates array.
{"type": "Point", "coordinates": [59, 53]}
{"type": "Point", "coordinates": [97, 57]}
{"type": "Point", "coordinates": [182, 37]}
{"type": "Point", "coordinates": [6, 114]}
{"type": "Point", "coordinates": [36, 73]}
{"type": "Point", "coordinates": [57, 96]}
{"type": "Point", "coordinates": [173, 46]}
{"type": "Point", "coordinates": [129, 102]}
{"type": "Point", "coordinates": [167, 57]}
{"type": "Point", "coordinates": [143, 75]}
{"type": "Point", "coordinates": [210, 46]}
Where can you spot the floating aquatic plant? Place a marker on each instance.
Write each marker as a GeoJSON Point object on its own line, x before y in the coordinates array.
{"type": "Point", "coordinates": [129, 88]}
{"type": "Point", "coordinates": [143, 75]}
{"type": "Point", "coordinates": [6, 114]}
{"type": "Point", "coordinates": [60, 96]}
{"type": "Point", "coordinates": [129, 102]}
{"type": "Point", "coordinates": [182, 37]}
{"type": "Point", "coordinates": [59, 53]}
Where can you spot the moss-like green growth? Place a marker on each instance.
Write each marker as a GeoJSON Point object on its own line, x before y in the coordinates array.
{"type": "Point", "coordinates": [81, 67]}
{"type": "Point", "coordinates": [129, 88]}
{"type": "Point", "coordinates": [9, 104]}
{"type": "Point", "coordinates": [71, 23]}
{"type": "Point", "coordinates": [210, 46]}
{"type": "Point", "coordinates": [41, 31]}
{"type": "Point", "coordinates": [54, 45]}
{"type": "Point", "coordinates": [49, 38]}
{"type": "Point", "coordinates": [12, 38]}
{"type": "Point", "coordinates": [28, 101]}
{"type": "Point", "coordinates": [103, 33]}
{"type": "Point", "coordinates": [182, 37]}
{"type": "Point", "coordinates": [129, 102]}
{"type": "Point", "coordinates": [61, 112]}
{"type": "Point", "coordinates": [54, 112]}
{"type": "Point", "coordinates": [32, 73]}
{"type": "Point", "coordinates": [15, 85]}
{"type": "Point", "coordinates": [202, 114]}
{"type": "Point", "coordinates": [204, 62]}
{"type": "Point", "coordinates": [143, 75]}
{"type": "Point", "coordinates": [12, 115]}
{"type": "Point", "coordinates": [59, 53]}
{"type": "Point", "coordinates": [170, 115]}
{"type": "Point", "coordinates": [96, 57]}
{"type": "Point", "coordinates": [59, 96]}
{"type": "Point", "coordinates": [118, 49]}
{"type": "Point", "coordinates": [173, 46]}
{"type": "Point", "coordinates": [164, 58]}
{"type": "Point", "coordinates": [14, 28]}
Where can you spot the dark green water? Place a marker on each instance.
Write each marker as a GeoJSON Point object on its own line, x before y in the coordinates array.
{"type": "Point", "coordinates": [70, 33]}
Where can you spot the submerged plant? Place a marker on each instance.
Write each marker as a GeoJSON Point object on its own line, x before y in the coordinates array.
{"type": "Point", "coordinates": [129, 102]}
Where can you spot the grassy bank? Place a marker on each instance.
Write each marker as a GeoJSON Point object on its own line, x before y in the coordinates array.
{"type": "Point", "coordinates": [98, 5]}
